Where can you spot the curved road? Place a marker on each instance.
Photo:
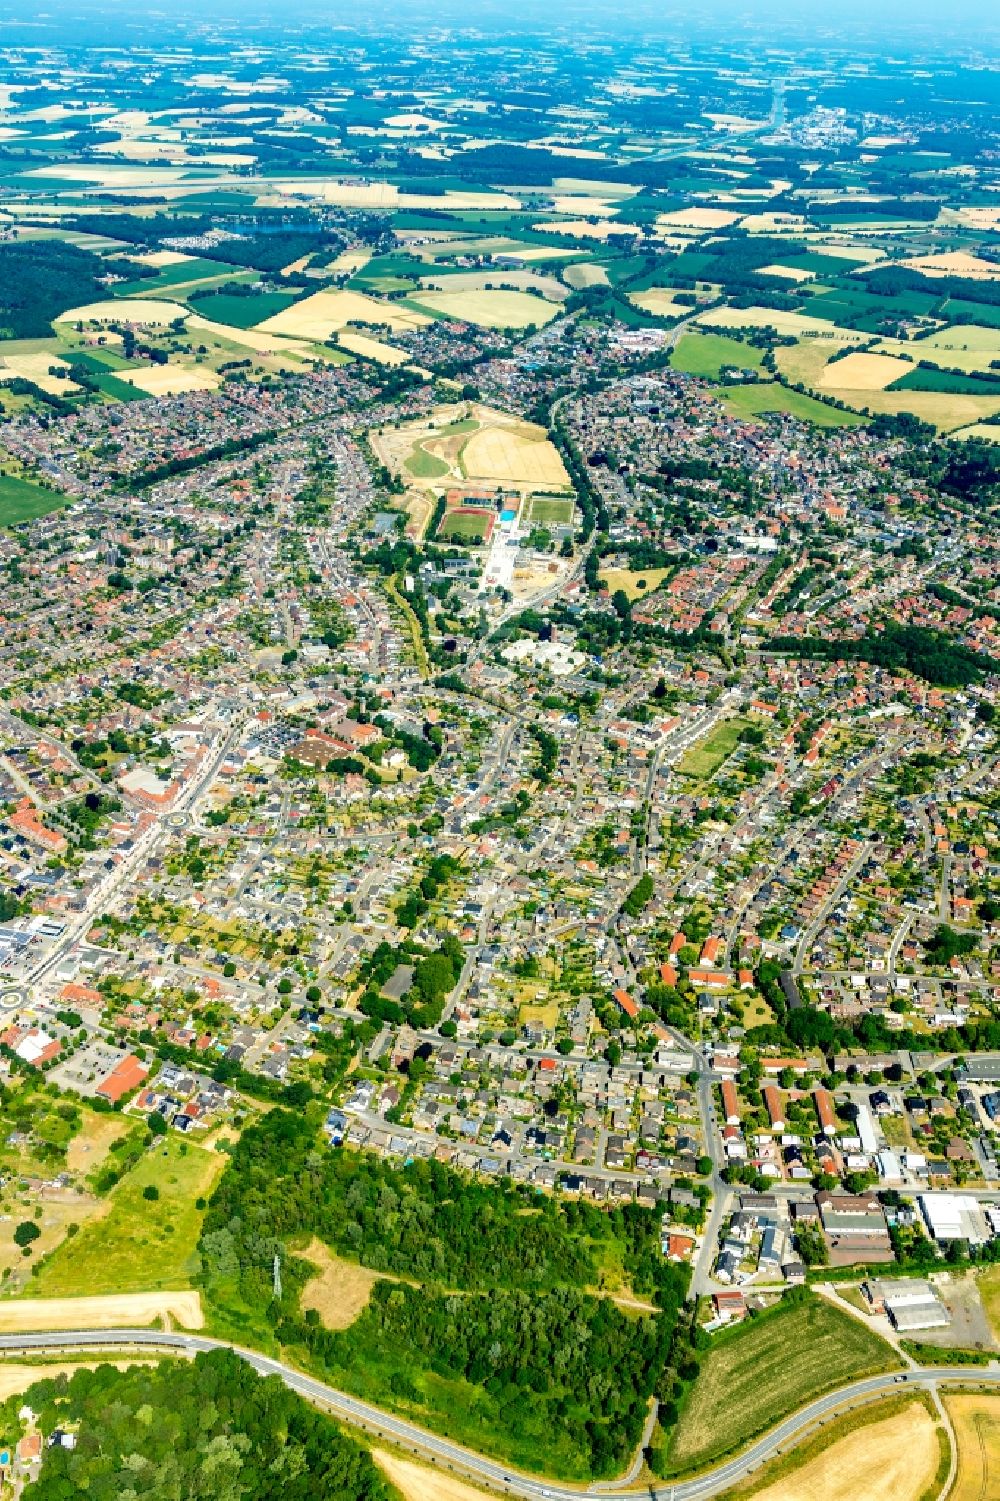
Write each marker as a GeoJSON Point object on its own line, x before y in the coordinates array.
{"type": "Point", "coordinates": [488, 1471]}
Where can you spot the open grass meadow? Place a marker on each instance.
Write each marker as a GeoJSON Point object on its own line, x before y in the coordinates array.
{"type": "Point", "coordinates": [765, 1370]}
{"type": "Point", "coordinates": [706, 354]}
{"type": "Point", "coordinates": [707, 755]}
{"type": "Point", "coordinates": [767, 397]}
{"type": "Point", "coordinates": [21, 500]}
{"type": "Point", "coordinates": [141, 1244]}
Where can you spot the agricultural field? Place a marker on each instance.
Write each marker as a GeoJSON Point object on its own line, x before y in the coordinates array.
{"type": "Point", "coordinates": [242, 312]}
{"type": "Point", "coordinates": [707, 354]}
{"type": "Point", "coordinates": [323, 313]}
{"type": "Point", "coordinates": [112, 1311]}
{"type": "Point", "coordinates": [660, 302]}
{"type": "Point", "coordinates": [142, 1244]}
{"type": "Point", "coordinates": [880, 1454]}
{"type": "Point", "coordinates": [764, 1370]}
{"type": "Point", "coordinates": [474, 445]}
{"type": "Point", "coordinates": [976, 1421]}
{"type": "Point", "coordinates": [768, 396]}
{"type": "Point", "coordinates": [489, 309]}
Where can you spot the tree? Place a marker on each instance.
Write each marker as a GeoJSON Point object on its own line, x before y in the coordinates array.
{"type": "Point", "coordinates": [26, 1232]}
{"type": "Point", "coordinates": [151, 1193]}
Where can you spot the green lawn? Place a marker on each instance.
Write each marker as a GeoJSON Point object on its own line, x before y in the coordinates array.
{"type": "Point", "coordinates": [139, 1245]}
{"type": "Point", "coordinates": [766, 1369]}
{"type": "Point", "coordinates": [767, 396]}
{"type": "Point", "coordinates": [705, 354]}
{"type": "Point", "coordinates": [20, 500]}
{"type": "Point", "coordinates": [424, 465]}
{"type": "Point", "coordinates": [706, 756]}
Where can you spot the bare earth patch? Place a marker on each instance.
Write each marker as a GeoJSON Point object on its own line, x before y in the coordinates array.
{"type": "Point", "coordinates": [341, 1290]}
{"type": "Point", "coordinates": [421, 1483]}
{"type": "Point", "coordinates": [126, 1310]}
{"type": "Point", "coordinates": [889, 1461]}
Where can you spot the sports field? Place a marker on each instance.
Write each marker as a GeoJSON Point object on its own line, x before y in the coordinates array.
{"type": "Point", "coordinates": [764, 1370]}
{"type": "Point", "coordinates": [465, 526]}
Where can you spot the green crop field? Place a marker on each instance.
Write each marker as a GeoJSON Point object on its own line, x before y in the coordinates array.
{"type": "Point", "coordinates": [767, 396]}
{"type": "Point", "coordinates": [241, 312]}
{"type": "Point", "coordinates": [946, 380]}
{"type": "Point", "coordinates": [766, 1369]}
{"type": "Point", "coordinates": [140, 1245]}
{"type": "Point", "coordinates": [705, 354]}
{"type": "Point", "coordinates": [706, 756]}
{"type": "Point", "coordinates": [20, 500]}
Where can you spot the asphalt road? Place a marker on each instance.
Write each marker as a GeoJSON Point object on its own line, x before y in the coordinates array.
{"type": "Point", "coordinates": [444, 1453]}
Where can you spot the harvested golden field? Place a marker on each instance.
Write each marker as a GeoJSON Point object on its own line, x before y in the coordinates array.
{"type": "Point", "coordinates": [119, 1311]}
{"type": "Point", "coordinates": [893, 1460]}
{"type": "Point", "coordinates": [161, 258]}
{"type": "Point", "coordinates": [697, 218]}
{"type": "Point", "coordinates": [35, 367]}
{"type": "Point", "coordinates": [660, 302]}
{"type": "Point", "coordinates": [171, 380]}
{"type": "Point", "coordinates": [796, 324]}
{"type": "Point", "coordinates": [424, 1483]}
{"type": "Point", "coordinates": [490, 309]}
{"type": "Point", "coordinates": [976, 1420]}
{"type": "Point", "coordinates": [326, 312]}
{"type": "Point", "coordinates": [504, 456]}
{"type": "Point", "coordinates": [252, 338]}
{"type": "Point", "coordinates": [791, 273]}
{"type": "Point", "coordinates": [157, 312]}
{"type": "Point", "coordinates": [522, 280]}
{"type": "Point", "coordinates": [340, 1290]}
{"type": "Point", "coordinates": [582, 229]}
{"type": "Point", "coordinates": [372, 349]}
{"type": "Point", "coordinates": [954, 263]}
{"type": "Point", "coordinates": [989, 432]}
{"type": "Point", "coordinates": [944, 409]}
{"type": "Point", "coordinates": [862, 372]}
